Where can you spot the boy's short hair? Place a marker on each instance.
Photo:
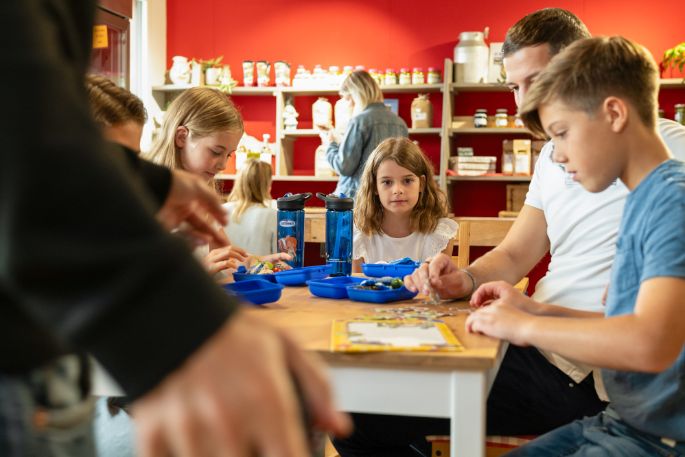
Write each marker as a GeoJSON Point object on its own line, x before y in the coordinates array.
{"type": "Point", "coordinates": [555, 26]}
{"type": "Point", "coordinates": [111, 104]}
{"type": "Point", "coordinates": [588, 71]}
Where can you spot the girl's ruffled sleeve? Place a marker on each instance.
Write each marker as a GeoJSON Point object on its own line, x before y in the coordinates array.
{"type": "Point", "coordinates": [440, 238]}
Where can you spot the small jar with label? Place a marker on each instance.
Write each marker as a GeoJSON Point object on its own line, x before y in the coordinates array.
{"type": "Point", "coordinates": [405, 77]}
{"type": "Point", "coordinates": [518, 122]}
{"type": "Point", "coordinates": [680, 113]}
{"type": "Point", "coordinates": [390, 78]}
{"type": "Point", "coordinates": [433, 76]}
{"type": "Point", "coordinates": [480, 118]}
{"type": "Point", "coordinates": [502, 118]}
{"type": "Point", "coordinates": [417, 76]}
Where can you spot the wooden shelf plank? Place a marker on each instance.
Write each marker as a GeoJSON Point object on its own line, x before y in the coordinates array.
{"type": "Point", "coordinates": [426, 131]}
{"type": "Point", "coordinates": [478, 87]}
{"type": "Point", "coordinates": [489, 131]}
{"type": "Point", "coordinates": [672, 83]}
{"type": "Point", "coordinates": [300, 133]}
{"type": "Point", "coordinates": [495, 177]}
{"type": "Point", "coordinates": [231, 177]}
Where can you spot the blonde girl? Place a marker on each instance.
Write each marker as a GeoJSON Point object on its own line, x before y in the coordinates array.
{"type": "Point", "coordinates": [399, 210]}
{"type": "Point", "coordinates": [252, 221]}
{"type": "Point", "coordinates": [372, 122]}
{"type": "Point", "coordinates": [201, 130]}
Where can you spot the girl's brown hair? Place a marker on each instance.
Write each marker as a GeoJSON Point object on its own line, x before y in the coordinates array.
{"type": "Point", "coordinates": [251, 187]}
{"type": "Point", "coordinates": [432, 204]}
{"type": "Point", "coordinates": [203, 111]}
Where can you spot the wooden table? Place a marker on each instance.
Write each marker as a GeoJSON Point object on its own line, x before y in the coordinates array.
{"type": "Point", "coordinates": [428, 384]}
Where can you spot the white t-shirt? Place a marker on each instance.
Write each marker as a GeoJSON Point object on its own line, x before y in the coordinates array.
{"type": "Point", "coordinates": [256, 231]}
{"type": "Point", "coordinates": [582, 228]}
{"type": "Point", "coordinates": [417, 246]}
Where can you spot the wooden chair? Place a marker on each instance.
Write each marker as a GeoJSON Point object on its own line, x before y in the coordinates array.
{"type": "Point", "coordinates": [481, 231]}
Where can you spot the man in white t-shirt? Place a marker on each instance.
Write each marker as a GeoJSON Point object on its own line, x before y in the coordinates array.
{"type": "Point", "coordinates": [533, 392]}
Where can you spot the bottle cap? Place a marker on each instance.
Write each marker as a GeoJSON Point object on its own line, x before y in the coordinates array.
{"type": "Point", "coordinates": [292, 202]}
{"type": "Point", "coordinates": [335, 202]}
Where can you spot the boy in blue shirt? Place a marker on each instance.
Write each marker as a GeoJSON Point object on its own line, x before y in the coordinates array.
{"type": "Point", "coordinates": [597, 102]}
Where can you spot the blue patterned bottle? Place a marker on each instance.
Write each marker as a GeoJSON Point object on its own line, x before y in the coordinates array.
{"type": "Point", "coordinates": [290, 230]}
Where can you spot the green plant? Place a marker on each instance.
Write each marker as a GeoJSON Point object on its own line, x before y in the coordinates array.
{"type": "Point", "coordinates": [211, 63]}
{"type": "Point", "coordinates": [674, 57]}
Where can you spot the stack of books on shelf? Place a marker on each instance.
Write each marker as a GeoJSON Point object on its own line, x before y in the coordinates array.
{"type": "Point", "coordinates": [467, 164]}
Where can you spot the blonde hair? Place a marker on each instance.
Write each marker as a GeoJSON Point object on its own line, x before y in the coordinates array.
{"type": "Point", "coordinates": [111, 104]}
{"type": "Point", "coordinates": [203, 111]}
{"type": "Point", "coordinates": [251, 187]}
{"type": "Point", "coordinates": [432, 204]}
{"type": "Point", "coordinates": [363, 89]}
{"type": "Point", "coordinates": [588, 71]}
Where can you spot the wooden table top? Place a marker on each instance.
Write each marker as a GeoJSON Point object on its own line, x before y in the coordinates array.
{"type": "Point", "coordinates": [308, 318]}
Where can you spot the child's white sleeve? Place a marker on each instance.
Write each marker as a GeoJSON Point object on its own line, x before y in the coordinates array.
{"type": "Point", "coordinates": [359, 245]}
{"type": "Point", "coordinates": [437, 241]}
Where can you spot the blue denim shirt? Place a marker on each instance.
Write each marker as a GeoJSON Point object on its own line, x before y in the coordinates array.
{"type": "Point", "coordinates": [650, 244]}
{"type": "Point", "coordinates": [366, 131]}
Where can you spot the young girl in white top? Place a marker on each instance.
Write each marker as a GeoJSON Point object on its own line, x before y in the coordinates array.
{"type": "Point", "coordinates": [252, 222]}
{"type": "Point", "coordinates": [399, 210]}
{"type": "Point", "coordinates": [201, 129]}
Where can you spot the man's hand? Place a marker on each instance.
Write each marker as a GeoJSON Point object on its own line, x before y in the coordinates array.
{"type": "Point", "coordinates": [195, 209]}
{"type": "Point", "coordinates": [235, 397]}
{"type": "Point", "coordinates": [442, 275]}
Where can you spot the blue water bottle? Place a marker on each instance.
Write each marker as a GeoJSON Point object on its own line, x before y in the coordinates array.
{"type": "Point", "coordinates": [339, 223]}
{"type": "Point", "coordinates": [291, 226]}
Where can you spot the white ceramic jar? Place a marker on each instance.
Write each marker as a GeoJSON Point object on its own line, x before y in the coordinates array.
{"type": "Point", "coordinates": [179, 73]}
{"type": "Point", "coordinates": [471, 58]}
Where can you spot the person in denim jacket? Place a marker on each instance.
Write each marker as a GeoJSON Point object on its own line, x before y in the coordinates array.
{"type": "Point", "coordinates": [372, 122]}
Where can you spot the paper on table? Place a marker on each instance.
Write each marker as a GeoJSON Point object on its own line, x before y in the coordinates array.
{"type": "Point", "coordinates": [392, 335]}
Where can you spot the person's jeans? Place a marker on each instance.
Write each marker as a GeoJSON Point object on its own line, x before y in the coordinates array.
{"type": "Point", "coordinates": [598, 436]}
{"type": "Point", "coordinates": [48, 412]}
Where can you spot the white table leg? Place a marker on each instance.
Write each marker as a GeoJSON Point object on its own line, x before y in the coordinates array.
{"type": "Point", "coordinates": [467, 405]}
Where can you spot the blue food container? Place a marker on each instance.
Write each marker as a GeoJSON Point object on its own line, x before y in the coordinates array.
{"type": "Point", "coordinates": [241, 275]}
{"type": "Point", "coordinates": [379, 296]}
{"type": "Point", "coordinates": [335, 287]}
{"type": "Point", "coordinates": [300, 276]}
{"type": "Point", "coordinates": [378, 270]}
{"type": "Point", "coordinates": [255, 291]}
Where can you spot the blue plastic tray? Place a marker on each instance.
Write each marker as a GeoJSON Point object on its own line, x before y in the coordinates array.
{"type": "Point", "coordinates": [379, 296]}
{"type": "Point", "coordinates": [300, 276]}
{"type": "Point", "coordinates": [378, 270]}
{"type": "Point", "coordinates": [242, 275]}
{"type": "Point", "coordinates": [335, 287]}
{"type": "Point", "coordinates": [256, 291]}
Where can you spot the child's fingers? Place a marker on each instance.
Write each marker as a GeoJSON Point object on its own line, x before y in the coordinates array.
{"type": "Point", "coordinates": [488, 292]}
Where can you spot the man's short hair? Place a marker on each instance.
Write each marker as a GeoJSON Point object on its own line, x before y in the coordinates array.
{"type": "Point", "coordinates": [588, 71]}
{"type": "Point", "coordinates": [555, 26]}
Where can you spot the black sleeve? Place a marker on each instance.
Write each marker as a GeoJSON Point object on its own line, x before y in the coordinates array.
{"type": "Point", "coordinates": [156, 177]}
{"type": "Point", "coordinates": [80, 249]}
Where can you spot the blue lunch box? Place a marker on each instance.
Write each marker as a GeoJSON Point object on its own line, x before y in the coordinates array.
{"type": "Point", "coordinates": [335, 287]}
{"type": "Point", "coordinates": [241, 275]}
{"type": "Point", "coordinates": [255, 291]}
{"type": "Point", "coordinates": [300, 276]}
{"type": "Point", "coordinates": [379, 296]}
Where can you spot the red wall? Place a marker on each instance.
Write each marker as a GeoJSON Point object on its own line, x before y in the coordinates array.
{"type": "Point", "coordinates": [394, 33]}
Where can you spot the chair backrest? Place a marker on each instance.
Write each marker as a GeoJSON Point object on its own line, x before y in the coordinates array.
{"type": "Point", "coordinates": [479, 231]}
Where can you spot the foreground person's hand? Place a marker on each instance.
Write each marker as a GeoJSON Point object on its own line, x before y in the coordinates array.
{"type": "Point", "coordinates": [193, 204]}
{"type": "Point", "coordinates": [442, 275]}
{"type": "Point", "coordinates": [235, 397]}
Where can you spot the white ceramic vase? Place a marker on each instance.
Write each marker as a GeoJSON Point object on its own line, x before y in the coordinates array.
{"type": "Point", "coordinates": [179, 73]}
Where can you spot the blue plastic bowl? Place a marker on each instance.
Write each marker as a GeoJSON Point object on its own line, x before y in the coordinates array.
{"type": "Point", "coordinates": [378, 270]}
{"type": "Point", "coordinates": [379, 296]}
{"type": "Point", "coordinates": [335, 287]}
{"type": "Point", "coordinates": [243, 275]}
{"type": "Point", "coordinates": [255, 291]}
{"type": "Point", "coordinates": [300, 276]}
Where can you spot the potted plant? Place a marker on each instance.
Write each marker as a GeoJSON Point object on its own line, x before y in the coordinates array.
{"type": "Point", "coordinates": [212, 70]}
{"type": "Point", "coordinates": [674, 58]}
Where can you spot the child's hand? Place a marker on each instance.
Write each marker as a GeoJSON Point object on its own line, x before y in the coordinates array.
{"type": "Point", "coordinates": [501, 320]}
{"type": "Point", "coordinates": [500, 291]}
{"type": "Point", "coordinates": [225, 258]}
{"type": "Point", "coordinates": [273, 258]}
